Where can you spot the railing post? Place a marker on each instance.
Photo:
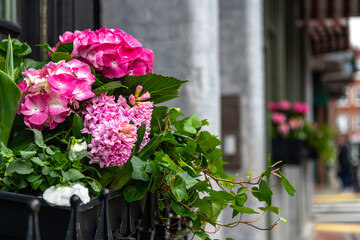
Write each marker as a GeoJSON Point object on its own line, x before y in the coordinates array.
{"type": "Point", "coordinates": [33, 232]}
{"type": "Point", "coordinates": [103, 229]}
{"type": "Point", "coordinates": [147, 221]}
{"type": "Point", "coordinates": [73, 232]}
{"type": "Point", "coordinates": [127, 225]}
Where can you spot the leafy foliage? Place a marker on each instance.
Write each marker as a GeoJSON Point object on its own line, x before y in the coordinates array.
{"type": "Point", "coordinates": [181, 163]}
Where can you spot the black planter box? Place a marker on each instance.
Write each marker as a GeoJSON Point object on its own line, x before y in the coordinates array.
{"type": "Point", "coordinates": [290, 151]}
{"type": "Point", "coordinates": [54, 220]}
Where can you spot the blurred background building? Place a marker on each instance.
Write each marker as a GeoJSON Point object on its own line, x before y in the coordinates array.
{"type": "Point", "coordinates": [238, 55]}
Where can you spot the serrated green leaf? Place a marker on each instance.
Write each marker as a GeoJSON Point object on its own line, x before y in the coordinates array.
{"type": "Point", "coordinates": [20, 167]}
{"type": "Point", "coordinates": [65, 47]}
{"type": "Point", "coordinates": [161, 88]}
{"type": "Point", "coordinates": [287, 185]}
{"type": "Point", "coordinates": [60, 56]}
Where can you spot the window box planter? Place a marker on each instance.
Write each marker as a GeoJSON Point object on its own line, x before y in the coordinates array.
{"type": "Point", "coordinates": [291, 151]}
{"type": "Point", "coordinates": [54, 221]}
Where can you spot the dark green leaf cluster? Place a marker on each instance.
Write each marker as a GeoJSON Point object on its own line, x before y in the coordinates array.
{"type": "Point", "coordinates": [39, 166]}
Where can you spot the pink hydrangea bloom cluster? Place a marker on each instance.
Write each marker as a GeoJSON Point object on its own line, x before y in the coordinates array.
{"type": "Point", "coordinates": [48, 92]}
{"type": "Point", "coordinates": [110, 51]}
{"type": "Point", "coordinates": [114, 126]}
{"type": "Point", "coordinates": [287, 117]}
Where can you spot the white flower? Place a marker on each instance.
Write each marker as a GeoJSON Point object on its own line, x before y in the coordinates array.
{"type": "Point", "coordinates": [60, 196]}
{"type": "Point", "coordinates": [78, 146]}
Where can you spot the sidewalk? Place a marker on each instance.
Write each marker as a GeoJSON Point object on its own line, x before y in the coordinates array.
{"type": "Point", "coordinates": [336, 216]}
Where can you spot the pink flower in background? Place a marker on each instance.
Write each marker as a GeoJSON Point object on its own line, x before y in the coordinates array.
{"type": "Point", "coordinates": [114, 126]}
{"type": "Point", "coordinates": [284, 105]}
{"type": "Point", "coordinates": [283, 129]}
{"type": "Point", "coordinates": [300, 107]}
{"type": "Point", "coordinates": [296, 123]}
{"type": "Point", "coordinates": [111, 51]}
{"type": "Point", "coordinates": [272, 106]}
{"type": "Point", "coordinates": [56, 85]}
{"type": "Point", "coordinates": [278, 118]}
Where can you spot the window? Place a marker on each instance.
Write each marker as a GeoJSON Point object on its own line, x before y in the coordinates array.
{"type": "Point", "coordinates": [357, 95]}
{"type": "Point", "coordinates": [344, 100]}
{"type": "Point", "coordinates": [8, 19]}
{"type": "Point", "coordinates": [342, 123]}
{"type": "Point", "coordinates": [357, 123]}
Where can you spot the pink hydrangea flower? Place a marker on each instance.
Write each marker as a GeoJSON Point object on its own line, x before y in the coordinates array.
{"type": "Point", "coordinates": [114, 126]}
{"type": "Point", "coordinates": [296, 123]}
{"type": "Point", "coordinates": [284, 105]}
{"type": "Point", "coordinates": [283, 129]}
{"type": "Point", "coordinates": [278, 118]}
{"type": "Point", "coordinates": [111, 51]}
{"type": "Point", "coordinates": [301, 107]}
{"type": "Point", "coordinates": [48, 92]}
{"type": "Point", "coordinates": [272, 106]}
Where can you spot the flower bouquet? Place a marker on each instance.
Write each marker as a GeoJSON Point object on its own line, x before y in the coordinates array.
{"type": "Point", "coordinates": [87, 119]}
{"type": "Point", "coordinates": [290, 131]}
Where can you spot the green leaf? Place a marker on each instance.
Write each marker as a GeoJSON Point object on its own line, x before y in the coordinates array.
{"type": "Point", "coordinates": [95, 186]}
{"type": "Point", "coordinates": [78, 125]}
{"type": "Point", "coordinates": [4, 151]}
{"type": "Point", "coordinates": [202, 235]}
{"type": "Point", "coordinates": [20, 167]}
{"type": "Point", "coordinates": [9, 62]}
{"type": "Point", "coordinates": [19, 49]}
{"type": "Point", "coordinates": [39, 138]}
{"type": "Point", "coordinates": [268, 169]}
{"type": "Point", "coordinates": [161, 88]}
{"type": "Point", "coordinates": [150, 147]}
{"type": "Point", "coordinates": [135, 192]}
{"type": "Point", "coordinates": [263, 193]}
{"type": "Point", "coordinates": [287, 185]}
{"type": "Point", "coordinates": [140, 169]}
{"type": "Point", "coordinates": [271, 209]}
{"type": "Point", "coordinates": [189, 181]}
{"type": "Point", "coordinates": [35, 185]}
{"type": "Point", "coordinates": [33, 177]}
{"type": "Point", "coordinates": [10, 96]}
{"type": "Point", "coordinates": [121, 177]}
{"type": "Point", "coordinates": [140, 135]}
{"type": "Point", "coordinates": [165, 160]}
{"type": "Point", "coordinates": [108, 87]}
{"type": "Point", "coordinates": [38, 161]}
{"type": "Point", "coordinates": [282, 219]}
{"type": "Point", "coordinates": [244, 210]}
{"type": "Point", "coordinates": [65, 47]}
{"type": "Point", "coordinates": [72, 175]}
{"type": "Point", "coordinates": [190, 124]}
{"type": "Point", "coordinates": [161, 205]}
{"type": "Point", "coordinates": [178, 189]}
{"type": "Point", "coordinates": [46, 47]}
{"type": "Point", "coordinates": [59, 56]}
{"type": "Point", "coordinates": [27, 154]}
